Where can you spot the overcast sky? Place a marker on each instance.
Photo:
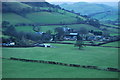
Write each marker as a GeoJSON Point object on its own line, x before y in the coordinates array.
{"type": "Point", "coordinates": [62, 0]}
{"type": "Point", "coordinates": [82, 0]}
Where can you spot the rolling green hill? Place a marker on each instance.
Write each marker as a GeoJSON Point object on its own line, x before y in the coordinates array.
{"type": "Point", "coordinates": [85, 8]}
{"type": "Point", "coordinates": [13, 6]}
{"type": "Point", "coordinates": [50, 18]}
{"type": "Point", "coordinates": [39, 17]}
{"type": "Point", "coordinates": [14, 18]}
{"type": "Point", "coordinates": [17, 14]}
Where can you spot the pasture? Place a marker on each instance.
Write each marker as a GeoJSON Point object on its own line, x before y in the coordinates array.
{"type": "Point", "coordinates": [114, 44]}
{"type": "Point", "coordinates": [41, 17]}
{"type": "Point", "coordinates": [96, 56]}
{"type": "Point", "coordinates": [52, 27]}
{"type": "Point", "coordinates": [14, 18]}
{"type": "Point", "coordinates": [50, 18]}
{"type": "Point", "coordinates": [112, 31]}
{"type": "Point", "coordinates": [100, 56]}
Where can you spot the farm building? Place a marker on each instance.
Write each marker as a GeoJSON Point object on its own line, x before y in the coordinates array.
{"type": "Point", "coordinates": [43, 45]}
{"type": "Point", "coordinates": [7, 44]}
{"type": "Point", "coordinates": [71, 36]}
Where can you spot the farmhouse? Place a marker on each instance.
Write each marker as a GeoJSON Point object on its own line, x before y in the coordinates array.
{"type": "Point", "coordinates": [8, 44]}
{"type": "Point", "coordinates": [42, 45]}
{"type": "Point", "coordinates": [71, 36]}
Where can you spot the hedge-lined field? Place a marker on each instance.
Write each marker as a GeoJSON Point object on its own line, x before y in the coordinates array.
{"type": "Point", "coordinates": [94, 56]}
{"type": "Point", "coordinates": [17, 69]}
{"type": "Point", "coordinates": [97, 56]}
{"type": "Point", "coordinates": [45, 28]}
{"type": "Point", "coordinates": [114, 44]}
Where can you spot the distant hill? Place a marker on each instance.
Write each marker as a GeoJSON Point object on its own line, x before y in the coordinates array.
{"type": "Point", "coordinates": [112, 4]}
{"type": "Point", "coordinates": [84, 8]}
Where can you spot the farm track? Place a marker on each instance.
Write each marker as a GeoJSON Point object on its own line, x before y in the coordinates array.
{"type": "Point", "coordinates": [64, 64]}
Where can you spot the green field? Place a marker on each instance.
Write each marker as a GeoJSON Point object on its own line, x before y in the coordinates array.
{"type": "Point", "coordinates": [97, 56]}
{"type": "Point", "coordinates": [102, 57]}
{"type": "Point", "coordinates": [112, 31]}
{"type": "Point", "coordinates": [14, 18]}
{"type": "Point", "coordinates": [45, 28]}
{"type": "Point", "coordinates": [50, 18]}
{"type": "Point", "coordinates": [41, 17]}
{"type": "Point", "coordinates": [114, 44]}
{"type": "Point", "coordinates": [14, 69]}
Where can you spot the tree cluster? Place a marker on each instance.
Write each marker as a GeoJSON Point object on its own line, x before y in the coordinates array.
{"type": "Point", "coordinates": [93, 22]}
{"type": "Point", "coordinates": [25, 38]}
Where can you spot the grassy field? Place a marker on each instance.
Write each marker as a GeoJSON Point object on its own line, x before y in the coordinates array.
{"type": "Point", "coordinates": [85, 42]}
{"type": "Point", "coordinates": [40, 17]}
{"type": "Point", "coordinates": [60, 16]}
{"type": "Point", "coordinates": [93, 56]}
{"type": "Point", "coordinates": [14, 18]}
{"type": "Point", "coordinates": [111, 25]}
{"type": "Point", "coordinates": [45, 28]}
{"type": "Point", "coordinates": [114, 44]}
{"type": "Point", "coordinates": [112, 30]}
{"type": "Point", "coordinates": [50, 18]}
{"type": "Point", "coordinates": [98, 56]}
{"type": "Point", "coordinates": [14, 69]}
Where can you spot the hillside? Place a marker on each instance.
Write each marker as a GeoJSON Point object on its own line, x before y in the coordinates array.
{"type": "Point", "coordinates": [28, 13]}
{"type": "Point", "coordinates": [94, 9]}
{"type": "Point", "coordinates": [51, 16]}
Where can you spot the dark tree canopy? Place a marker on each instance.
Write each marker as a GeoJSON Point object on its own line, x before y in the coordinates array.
{"type": "Point", "coordinates": [82, 30]}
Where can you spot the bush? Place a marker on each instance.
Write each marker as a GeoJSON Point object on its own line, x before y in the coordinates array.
{"type": "Point", "coordinates": [5, 24]}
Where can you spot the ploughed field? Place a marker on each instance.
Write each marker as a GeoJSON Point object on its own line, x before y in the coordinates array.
{"type": "Point", "coordinates": [94, 56]}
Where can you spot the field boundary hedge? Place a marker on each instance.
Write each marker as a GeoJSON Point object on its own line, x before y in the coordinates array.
{"type": "Point", "coordinates": [99, 45]}
{"type": "Point", "coordinates": [65, 64]}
